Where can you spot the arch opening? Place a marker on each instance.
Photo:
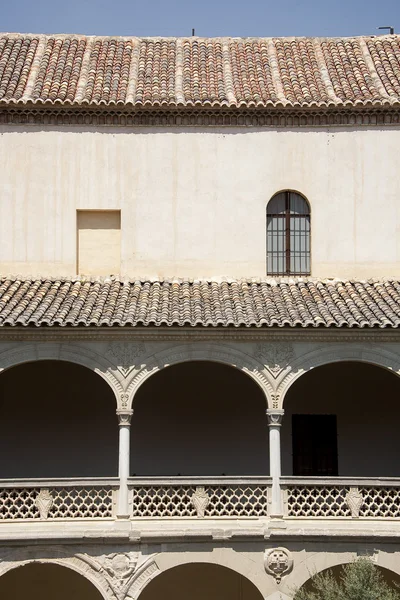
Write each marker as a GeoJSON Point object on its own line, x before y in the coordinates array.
{"type": "Point", "coordinates": [198, 581]}
{"type": "Point", "coordinates": [199, 418]}
{"type": "Point", "coordinates": [388, 577]}
{"type": "Point", "coordinates": [341, 420]}
{"type": "Point", "coordinates": [57, 419]}
{"type": "Point", "coordinates": [46, 581]}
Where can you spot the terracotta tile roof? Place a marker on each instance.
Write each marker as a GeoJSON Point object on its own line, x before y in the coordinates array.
{"type": "Point", "coordinates": [170, 72]}
{"type": "Point", "coordinates": [301, 302]}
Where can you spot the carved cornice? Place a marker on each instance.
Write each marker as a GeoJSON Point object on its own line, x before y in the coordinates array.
{"type": "Point", "coordinates": [362, 116]}
{"type": "Point", "coordinates": [169, 334]}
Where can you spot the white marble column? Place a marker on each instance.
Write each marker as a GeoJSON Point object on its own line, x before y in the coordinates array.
{"type": "Point", "coordinates": [275, 417]}
{"type": "Point", "coordinates": [124, 421]}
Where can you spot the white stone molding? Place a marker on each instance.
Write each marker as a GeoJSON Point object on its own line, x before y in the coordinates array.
{"type": "Point", "coordinates": [331, 353]}
{"type": "Point", "coordinates": [19, 557]}
{"type": "Point", "coordinates": [144, 574]}
{"type": "Point", "coordinates": [74, 353]}
{"type": "Point", "coordinates": [212, 352]}
{"type": "Point", "coordinates": [278, 562]}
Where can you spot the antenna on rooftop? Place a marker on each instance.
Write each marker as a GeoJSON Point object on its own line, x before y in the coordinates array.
{"type": "Point", "coordinates": [391, 29]}
{"type": "Point", "coordinates": [193, 32]}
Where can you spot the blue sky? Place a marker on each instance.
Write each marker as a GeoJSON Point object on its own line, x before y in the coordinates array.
{"type": "Point", "coordinates": [209, 17]}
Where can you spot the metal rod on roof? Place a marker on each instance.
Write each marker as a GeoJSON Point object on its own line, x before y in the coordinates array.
{"type": "Point", "coordinates": [193, 33]}
{"type": "Point", "coordinates": [391, 29]}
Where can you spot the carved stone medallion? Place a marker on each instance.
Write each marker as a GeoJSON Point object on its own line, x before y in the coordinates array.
{"type": "Point", "coordinates": [44, 502]}
{"type": "Point", "coordinates": [121, 566]}
{"type": "Point", "coordinates": [278, 562]}
{"type": "Point", "coordinates": [276, 356]}
{"type": "Point", "coordinates": [126, 354]}
{"type": "Point", "coordinates": [200, 501]}
{"type": "Point", "coordinates": [354, 501]}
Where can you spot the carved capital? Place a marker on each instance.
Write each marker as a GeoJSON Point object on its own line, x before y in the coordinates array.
{"type": "Point", "coordinates": [124, 417]}
{"type": "Point", "coordinates": [275, 416]}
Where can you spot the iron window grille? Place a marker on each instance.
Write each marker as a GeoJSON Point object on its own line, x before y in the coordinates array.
{"type": "Point", "coordinates": [288, 235]}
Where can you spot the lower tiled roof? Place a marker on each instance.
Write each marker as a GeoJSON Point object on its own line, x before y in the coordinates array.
{"type": "Point", "coordinates": [303, 302]}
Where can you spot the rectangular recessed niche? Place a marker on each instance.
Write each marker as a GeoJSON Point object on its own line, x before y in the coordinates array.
{"type": "Point", "coordinates": [98, 242]}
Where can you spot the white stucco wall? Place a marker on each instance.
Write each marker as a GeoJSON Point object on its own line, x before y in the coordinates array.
{"type": "Point", "coordinates": [193, 201]}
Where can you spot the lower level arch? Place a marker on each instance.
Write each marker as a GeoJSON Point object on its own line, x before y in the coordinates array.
{"type": "Point", "coordinates": [199, 580]}
{"type": "Point", "coordinates": [46, 580]}
{"type": "Point", "coordinates": [322, 561]}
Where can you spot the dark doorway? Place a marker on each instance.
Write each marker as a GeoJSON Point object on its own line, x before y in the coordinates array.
{"type": "Point", "coordinates": [314, 445]}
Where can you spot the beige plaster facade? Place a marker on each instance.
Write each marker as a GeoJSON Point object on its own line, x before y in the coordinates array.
{"type": "Point", "coordinates": [197, 198]}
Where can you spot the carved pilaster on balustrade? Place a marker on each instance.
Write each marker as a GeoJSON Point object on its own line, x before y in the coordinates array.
{"type": "Point", "coordinates": [115, 496]}
{"type": "Point", "coordinates": [44, 501]}
{"type": "Point", "coordinates": [285, 501]}
{"type": "Point", "coordinates": [354, 501]}
{"type": "Point", "coordinates": [200, 500]}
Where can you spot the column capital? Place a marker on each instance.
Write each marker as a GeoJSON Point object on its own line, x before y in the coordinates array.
{"type": "Point", "coordinates": [124, 416]}
{"type": "Point", "coordinates": [275, 416]}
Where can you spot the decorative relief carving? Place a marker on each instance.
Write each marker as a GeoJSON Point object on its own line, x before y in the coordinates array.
{"type": "Point", "coordinates": [278, 562]}
{"type": "Point", "coordinates": [142, 579]}
{"type": "Point", "coordinates": [275, 356]}
{"type": "Point", "coordinates": [354, 501]}
{"type": "Point", "coordinates": [126, 354]}
{"type": "Point", "coordinates": [118, 569]}
{"type": "Point", "coordinates": [44, 502]}
{"type": "Point", "coordinates": [200, 501]}
{"type": "Point", "coordinates": [275, 400]}
{"type": "Point", "coordinates": [124, 400]}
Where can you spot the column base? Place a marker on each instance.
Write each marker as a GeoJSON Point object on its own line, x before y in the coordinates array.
{"type": "Point", "coordinates": [277, 522]}
{"type": "Point", "coordinates": [123, 517]}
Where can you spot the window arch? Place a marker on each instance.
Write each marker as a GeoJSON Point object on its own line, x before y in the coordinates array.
{"type": "Point", "coordinates": [288, 234]}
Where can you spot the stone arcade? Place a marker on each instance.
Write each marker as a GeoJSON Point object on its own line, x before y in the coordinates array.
{"type": "Point", "coordinates": [199, 314]}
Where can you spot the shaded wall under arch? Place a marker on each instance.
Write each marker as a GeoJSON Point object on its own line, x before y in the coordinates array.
{"type": "Point", "coordinates": [57, 419]}
{"type": "Point", "coordinates": [36, 581]}
{"type": "Point", "coordinates": [199, 418]}
{"type": "Point", "coordinates": [198, 581]}
{"type": "Point", "coordinates": [365, 399]}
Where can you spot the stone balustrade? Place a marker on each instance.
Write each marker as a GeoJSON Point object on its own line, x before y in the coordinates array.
{"type": "Point", "coordinates": [200, 497]}
{"type": "Point", "coordinates": [334, 497]}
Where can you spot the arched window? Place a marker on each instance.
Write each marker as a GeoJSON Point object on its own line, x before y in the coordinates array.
{"type": "Point", "coordinates": [288, 234]}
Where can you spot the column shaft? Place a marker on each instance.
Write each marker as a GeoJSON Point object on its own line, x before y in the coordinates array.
{"type": "Point", "coordinates": [274, 422]}
{"type": "Point", "coordinates": [124, 418]}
